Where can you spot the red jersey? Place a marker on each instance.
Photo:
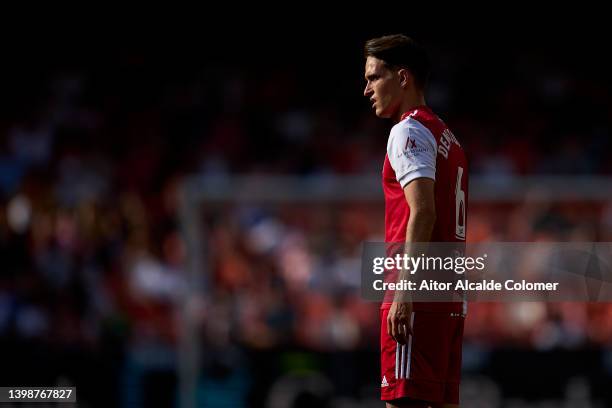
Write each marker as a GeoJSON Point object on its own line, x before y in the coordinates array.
{"type": "Point", "coordinates": [421, 145]}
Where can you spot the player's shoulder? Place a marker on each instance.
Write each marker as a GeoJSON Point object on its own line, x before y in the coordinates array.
{"type": "Point", "coordinates": [409, 134]}
{"type": "Point", "coordinates": [427, 118]}
{"type": "Point", "coordinates": [423, 113]}
{"type": "Point", "coordinates": [410, 127]}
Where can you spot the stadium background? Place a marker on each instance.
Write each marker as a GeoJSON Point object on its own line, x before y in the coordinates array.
{"type": "Point", "coordinates": [97, 137]}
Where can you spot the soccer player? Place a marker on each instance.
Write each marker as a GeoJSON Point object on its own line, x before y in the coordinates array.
{"type": "Point", "coordinates": [425, 184]}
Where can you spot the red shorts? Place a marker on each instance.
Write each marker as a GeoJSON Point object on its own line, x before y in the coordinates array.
{"type": "Point", "coordinates": [428, 367]}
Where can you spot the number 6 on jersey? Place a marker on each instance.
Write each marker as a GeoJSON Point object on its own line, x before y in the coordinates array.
{"type": "Point", "coordinates": [459, 207]}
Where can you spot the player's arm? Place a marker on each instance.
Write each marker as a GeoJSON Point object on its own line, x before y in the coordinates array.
{"type": "Point", "coordinates": [415, 171]}
{"type": "Point", "coordinates": [419, 195]}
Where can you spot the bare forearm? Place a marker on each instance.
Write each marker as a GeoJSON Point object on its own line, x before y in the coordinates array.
{"type": "Point", "coordinates": [420, 226]}
{"type": "Point", "coordinates": [418, 230]}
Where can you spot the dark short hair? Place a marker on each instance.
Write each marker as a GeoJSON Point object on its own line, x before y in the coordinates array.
{"type": "Point", "coordinates": [398, 50]}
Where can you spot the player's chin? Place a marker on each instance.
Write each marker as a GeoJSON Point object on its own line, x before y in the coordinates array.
{"type": "Point", "coordinates": [382, 114]}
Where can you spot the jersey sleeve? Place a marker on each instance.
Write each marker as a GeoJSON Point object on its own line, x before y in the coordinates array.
{"type": "Point", "coordinates": [412, 151]}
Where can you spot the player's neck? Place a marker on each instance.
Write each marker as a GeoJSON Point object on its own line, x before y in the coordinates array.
{"type": "Point", "coordinates": [410, 103]}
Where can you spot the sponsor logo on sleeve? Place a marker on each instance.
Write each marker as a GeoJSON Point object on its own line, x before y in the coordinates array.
{"type": "Point", "coordinates": [412, 149]}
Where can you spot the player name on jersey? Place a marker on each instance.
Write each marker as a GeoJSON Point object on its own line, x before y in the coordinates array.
{"type": "Point", "coordinates": [445, 142]}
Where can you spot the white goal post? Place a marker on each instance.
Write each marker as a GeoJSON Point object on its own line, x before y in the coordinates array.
{"type": "Point", "coordinates": [197, 191]}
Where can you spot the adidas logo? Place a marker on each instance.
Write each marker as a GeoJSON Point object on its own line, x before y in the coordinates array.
{"type": "Point", "coordinates": [384, 382]}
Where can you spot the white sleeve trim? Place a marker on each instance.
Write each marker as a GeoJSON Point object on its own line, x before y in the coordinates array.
{"type": "Point", "coordinates": [412, 151]}
{"type": "Point", "coordinates": [408, 177]}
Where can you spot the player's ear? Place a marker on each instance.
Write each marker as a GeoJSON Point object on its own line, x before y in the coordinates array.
{"type": "Point", "coordinates": [404, 77]}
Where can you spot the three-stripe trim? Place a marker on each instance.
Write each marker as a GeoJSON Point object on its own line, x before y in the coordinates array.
{"type": "Point", "coordinates": [403, 355]}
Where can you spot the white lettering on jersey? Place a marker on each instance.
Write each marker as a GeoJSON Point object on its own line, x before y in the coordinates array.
{"type": "Point", "coordinates": [445, 142]}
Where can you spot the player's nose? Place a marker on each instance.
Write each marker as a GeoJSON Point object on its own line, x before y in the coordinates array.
{"type": "Point", "coordinates": [367, 91]}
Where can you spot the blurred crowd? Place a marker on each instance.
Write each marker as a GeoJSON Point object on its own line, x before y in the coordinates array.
{"type": "Point", "coordinates": [92, 158]}
{"type": "Point", "coordinates": [286, 277]}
